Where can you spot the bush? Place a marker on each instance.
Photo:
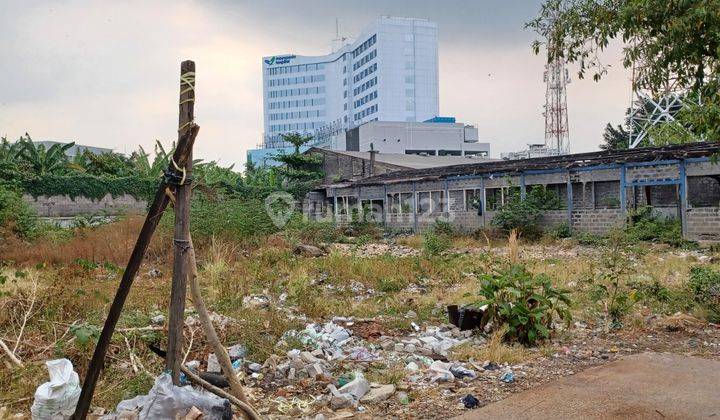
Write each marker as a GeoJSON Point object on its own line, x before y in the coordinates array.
{"type": "Point", "coordinates": [562, 231]}
{"type": "Point", "coordinates": [229, 218]}
{"type": "Point", "coordinates": [310, 231]}
{"type": "Point", "coordinates": [704, 284]}
{"type": "Point", "coordinates": [435, 243]}
{"type": "Point", "coordinates": [646, 225]}
{"type": "Point", "coordinates": [17, 214]}
{"type": "Point", "coordinates": [609, 287]}
{"type": "Point", "coordinates": [524, 215]}
{"type": "Point", "coordinates": [523, 302]}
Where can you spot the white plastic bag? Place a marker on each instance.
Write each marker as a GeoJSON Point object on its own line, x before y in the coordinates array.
{"type": "Point", "coordinates": [57, 399]}
{"type": "Point", "coordinates": [167, 401]}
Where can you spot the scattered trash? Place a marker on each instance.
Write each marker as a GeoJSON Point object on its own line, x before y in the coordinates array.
{"type": "Point", "coordinates": [381, 393]}
{"type": "Point", "coordinates": [167, 401]}
{"type": "Point", "coordinates": [213, 366]}
{"type": "Point", "coordinates": [440, 372]}
{"type": "Point", "coordinates": [508, 376]}
{"type": "Point", "coordinates": [158, 320]}
{"type": "Point", "coordinates": [358, 387]}
{"type": "Point", "coordinates": [470, 401]}
{"type": "Point", "coordinates": [460, 372]}
{"type": "Point", "coordinates": [237, 351]}
{"type": "Point", "coordinates": [361, 354]}
{"type": "Point", "coordinates": [464, 318]}
{"type": "Point", "coordinates": [154, 273]}
{"type": "Point", "coordinates": [488, 365]}
{"type": "Point", "coordinates": [58, 397]}
{"type": "Point", "coordinates": [403, 398]}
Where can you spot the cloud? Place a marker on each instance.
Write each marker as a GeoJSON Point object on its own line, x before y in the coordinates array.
{"type": "Point", "coordinates": [106, 73]}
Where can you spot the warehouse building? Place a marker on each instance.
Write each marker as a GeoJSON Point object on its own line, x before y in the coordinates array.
{"type": "Point", "coordinates": [596, 191]}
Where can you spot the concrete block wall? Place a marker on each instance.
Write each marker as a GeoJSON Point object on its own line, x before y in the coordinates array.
{"type": "Point", "coordinates": [596, 198]}
{"type": "Point", "coordinates": [59, 206]}
{"type": "Point", "coordinates": [703, 224]}
{"type": "Point", "coordinates": [598, 221]}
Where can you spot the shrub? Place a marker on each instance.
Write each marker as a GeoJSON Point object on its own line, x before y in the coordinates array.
{"type": "Point", "coordinates": [704, 284]}
{"type": "Point", "coordinates": [525, 215]}
{"type": "Point", "coordinates": [435, 243]}
{"type": "Point", "coordinates": [17, 214]}
{"type": "Point", "coordinates": [229, 218]}
{"type": "Point", "coordinates": [609, 287]}
{"type": "Point", "coordinates": [562, 231]}
{"type": "Point", "coordinates": [646, 225]}
{"type": "Point", "coordinates": [523, 302]}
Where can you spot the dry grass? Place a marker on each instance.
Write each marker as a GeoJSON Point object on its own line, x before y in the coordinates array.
{"type": "Point", "coordinates": [496, 351]}
{"type": "Point", "coordinates": [513, 247]}
{"type": "Point", "coordinates": [412, 241]}
{"type": "Point", "coordinates": [112, 243]}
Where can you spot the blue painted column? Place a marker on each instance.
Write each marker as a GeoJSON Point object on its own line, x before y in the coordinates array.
{"type": "Point", "coordinates": [523, 190]}
{"type": "Point", "coordinates": [415, 221]}
{"type": "Point", "coordinates": [385, 205]}
{"type": "Point", "coordinates": [482, 199]}
{"type": "Point", "coordinates": [623, 189]}
{"type": "Point", "coordinates": [683, 198]}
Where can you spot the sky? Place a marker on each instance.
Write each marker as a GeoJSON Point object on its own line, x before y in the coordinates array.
{"type": "Point", "coordinates": [106, 73]}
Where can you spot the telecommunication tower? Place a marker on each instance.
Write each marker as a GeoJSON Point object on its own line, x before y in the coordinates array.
{"type": "Point", "coordinates": [556, 78]}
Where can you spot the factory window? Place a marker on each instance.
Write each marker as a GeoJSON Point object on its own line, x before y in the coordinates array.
{"type": "Point", "coordinates": [399, 203]}
{"type": "Point", "coordinates": [345, 205]}
{"type": "Point", "coordinates": [431, 201]}
{"type": "Point", "coordinates": [456, 202]}
{"type": "Point", "coordinates": [473, 200]}
{"type": "Point", "coordinates": [703, 191]}
{"type": "Point", "coordinates": [496, 198]}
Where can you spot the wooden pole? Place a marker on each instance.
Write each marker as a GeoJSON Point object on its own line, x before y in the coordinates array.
{"type": "Point", "coordinates": [183, 152]}
{"type": "Point", "coordinates": [181, 239]}
{"type": "Point", "coordinates": [212, 337]}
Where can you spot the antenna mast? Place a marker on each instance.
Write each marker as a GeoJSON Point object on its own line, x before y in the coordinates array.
{"type": "Point", "coordinates": [556, 78]}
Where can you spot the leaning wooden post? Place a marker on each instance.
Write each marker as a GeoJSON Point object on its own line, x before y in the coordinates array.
{"type": "Point", "coordinates": [181, 238]}
{"type": "Point", "coordinates": [182, 154]}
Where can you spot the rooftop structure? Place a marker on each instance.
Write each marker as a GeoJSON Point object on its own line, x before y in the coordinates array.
{"type": "Point", "coordinates": [389, 73]}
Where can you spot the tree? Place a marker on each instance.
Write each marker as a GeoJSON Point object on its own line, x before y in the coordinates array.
{"type": "Point", "coordinates": [675, 45]}
{"type": "Point", "coordinates": [41, 161]}
{"type": "Point", "coordinates": [615, 138]}
{"type": "Point", "coordinates": [300, 171]}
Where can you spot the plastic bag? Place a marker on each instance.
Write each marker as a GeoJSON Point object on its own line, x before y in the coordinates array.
{"type": "Point", "coordinates": [167, 401]}
{"type": "Point", "coordinates": [57, 398]}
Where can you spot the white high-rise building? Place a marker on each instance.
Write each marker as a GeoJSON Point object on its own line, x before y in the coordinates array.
{"type": "Point", "coordinates": [390, 73]}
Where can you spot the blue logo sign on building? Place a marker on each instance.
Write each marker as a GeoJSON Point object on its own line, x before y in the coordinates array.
{"type": "Point", "coordinates": [279, 59]}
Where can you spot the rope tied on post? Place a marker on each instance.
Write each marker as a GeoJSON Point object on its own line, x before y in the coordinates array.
{"type": "Point", "coordinates": [187, 79]}
{"type": "Point", "coordinates": [176, 175]}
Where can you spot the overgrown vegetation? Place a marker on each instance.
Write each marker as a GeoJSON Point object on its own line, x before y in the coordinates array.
{"type": "Point", "coordinates": [525, 214]}
{"type": "Point", "coordinates": [522, 302]}
{"type": "Point", "coordinates": [704, 284]}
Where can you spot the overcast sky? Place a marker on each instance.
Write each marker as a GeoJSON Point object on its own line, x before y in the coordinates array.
{"type": "Point", "coordinates": [106, 73]}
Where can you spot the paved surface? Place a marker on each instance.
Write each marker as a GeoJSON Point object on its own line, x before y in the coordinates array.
{"type": "Point", "coordinates": [642, 386]}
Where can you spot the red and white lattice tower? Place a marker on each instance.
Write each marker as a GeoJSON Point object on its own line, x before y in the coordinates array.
{"type": "Point", "coordinates": [557, 135]}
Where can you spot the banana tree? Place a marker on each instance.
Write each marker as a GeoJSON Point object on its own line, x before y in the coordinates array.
{"type": "Point", "coordinates": [42, 161]}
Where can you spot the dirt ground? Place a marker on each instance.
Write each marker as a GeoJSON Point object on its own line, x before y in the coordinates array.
{"type": "Point", "coordinates": [646, 385]}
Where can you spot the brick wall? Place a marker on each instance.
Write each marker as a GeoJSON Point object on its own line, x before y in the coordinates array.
{"type": "Point", "coordinates": [64, 206]}
{"type": "Point", "coordinates": [598, 221]}
{"type": "Point", "coordinates": [703, 224]}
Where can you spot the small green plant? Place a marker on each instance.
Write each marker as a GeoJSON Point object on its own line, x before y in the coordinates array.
{"type": "Point", "coordinates": [389, 285]}
{"type": "Point", "coordinates": [523, 303]}
{"type": "Point", "coordinates": [646, 225]}
{"type": "Point", "coordinates": [525, 214]}
{"type": "Point", "coordinates": [85, 334]}
{"type": "Point", "coordinates": [704, 284]}
{"type": "Point", "coordinates": [561, 231]}
{"type": "Point", "coordinates": [442, 227]}
{"type": "Point", "coordinates": [86, 265]}
{"type": "Point", "coordinates": [435, 243]}
{"type": "Point", "coordinates": [608, 284]}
